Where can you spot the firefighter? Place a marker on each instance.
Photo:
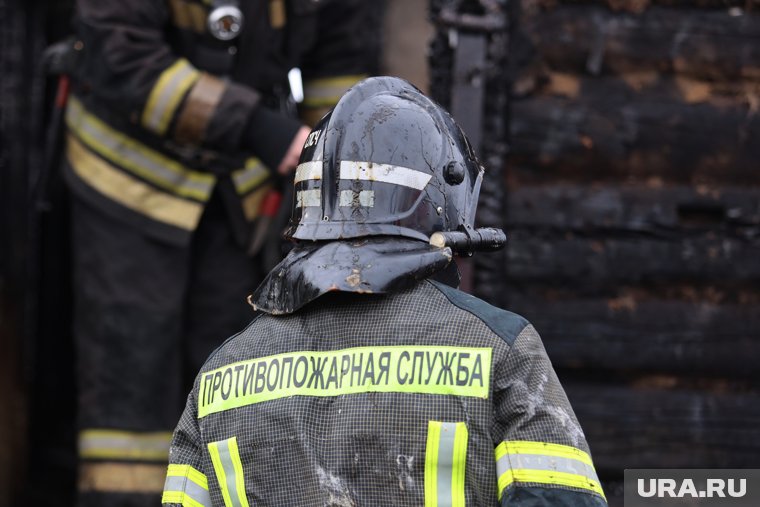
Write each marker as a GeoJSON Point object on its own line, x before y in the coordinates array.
{"type": "Point", "coordinates": [367, 378]}
{"type": "Point", "coordinates": [181, 119]}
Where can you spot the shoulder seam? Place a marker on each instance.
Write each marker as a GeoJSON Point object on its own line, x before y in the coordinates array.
{"type": "Point", "coordinates": [509, 336]}
{"type": "Point", "coordinates": [221, 345]}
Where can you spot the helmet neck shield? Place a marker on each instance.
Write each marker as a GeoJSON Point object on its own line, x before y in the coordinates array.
{"type": "Point", "coordinates": [373, 265]}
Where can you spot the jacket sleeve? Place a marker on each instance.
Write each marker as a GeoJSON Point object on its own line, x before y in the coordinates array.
{"type": "Point", "coordinates": [346, 51]}
{"type": "Point", "coordinates": [186, 478]}
{"type": "Point", "coordinates": [542, 458]}
{"type": "Point", "coordinates": [130, 67]}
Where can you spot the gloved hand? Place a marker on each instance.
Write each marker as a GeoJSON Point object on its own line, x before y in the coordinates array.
{"type": "Point", "coordinates": [274, 138]}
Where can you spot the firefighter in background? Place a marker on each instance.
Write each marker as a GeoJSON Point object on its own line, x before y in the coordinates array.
{"type": "Point", "coordinates": [368, 378]}
{"type": "Point", "coordinates": [179, 117]}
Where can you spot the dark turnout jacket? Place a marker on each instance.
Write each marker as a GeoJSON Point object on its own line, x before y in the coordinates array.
{"type": "Point", "coordinates": [426, 396]}
{"type": "Point", "coordinates": [162, 111]}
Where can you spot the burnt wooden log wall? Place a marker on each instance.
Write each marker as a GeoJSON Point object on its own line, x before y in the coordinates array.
{"type": "Point", "coordinates": [634, 219]}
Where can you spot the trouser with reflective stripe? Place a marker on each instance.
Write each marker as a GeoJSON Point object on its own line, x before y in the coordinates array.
{"type": "Point", "coordinates": [146, 316]}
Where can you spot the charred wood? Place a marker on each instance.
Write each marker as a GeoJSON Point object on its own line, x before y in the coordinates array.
{"type": "Point", "coordinates": [603, 135]}
{"type": "Point", "coordinates": [647, 208]}
{"type": "Point", "coordinates": [658, 428]}
{"type": "Point", "coordinates": [634, 333]}
{"type": "Point", "coordinates": [716, 45]}
{"type": "Point", "coordinates": [632, 258]}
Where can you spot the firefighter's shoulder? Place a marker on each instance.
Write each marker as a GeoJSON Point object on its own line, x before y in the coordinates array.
{"type": "Point", "coordinates": [503, 323]}
{"type": "Point", "coordinates": [229, 348]}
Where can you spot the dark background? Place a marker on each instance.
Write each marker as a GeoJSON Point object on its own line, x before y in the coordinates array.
{"type": "Point", "coordinates": [622, 140]}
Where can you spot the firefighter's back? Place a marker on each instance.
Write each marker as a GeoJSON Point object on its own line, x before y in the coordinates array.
{"type": "Point", "coordinates": [358, 401]}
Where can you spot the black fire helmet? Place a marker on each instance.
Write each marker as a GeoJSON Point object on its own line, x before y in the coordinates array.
{"type": "Point", "coordinates": [386, 161]}
{"type": "Point", "coordinates": [385, 192]}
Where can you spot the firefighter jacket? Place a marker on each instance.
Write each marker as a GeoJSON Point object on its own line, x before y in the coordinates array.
{"type": "Point", "coordinates": [162, 111]}
{"type": "Point", "coordinates": [426, 396]}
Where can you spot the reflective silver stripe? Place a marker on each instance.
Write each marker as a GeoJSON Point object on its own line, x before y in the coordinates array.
{"type": "Point", "coordinates": [543, 462]}
{"type": "Point", "coordinates": [250, 177]}
{"type": "Point", "coordinates": [364, 198]}
{"type": "Point", "coordinates": [502, 465]}
{"type": "Point", "coordinates": [133, 155]}
{"type": "Point", "coordinates": [446, 463]}
{"type": "Point", "coordinates": [327, 91]}
{"type": "Point", "coordinates": [229, 472]}
{"type": "Point", "coordinates": [306, 198]}
{"type": "Point", "coordinates": [166, 95]}
{"type": "Point", "coordinates": [187, 487]}
{"type": "Point", "coordinates": [308, 171]}
{"type": "Point", "coordinates": [386, 173]}
{"type": "Point", "coordinates": [115, 444]}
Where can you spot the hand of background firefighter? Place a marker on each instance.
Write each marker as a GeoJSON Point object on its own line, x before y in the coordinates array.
{"type": "Point", "coordinates": [290, 160]}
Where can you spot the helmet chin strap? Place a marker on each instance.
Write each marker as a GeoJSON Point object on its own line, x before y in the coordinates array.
{"type": "Point", "coordinates": [466, 240]}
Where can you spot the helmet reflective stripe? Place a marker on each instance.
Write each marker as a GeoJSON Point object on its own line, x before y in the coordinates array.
{"type": "Point", "coordinates": [362, 198]}
{"type": "Point", "coordinates": [308, 171]}
{"type": "Point", "coordinates": [386, 173]}
{"type": "Point", "coordinates": [309, 198]}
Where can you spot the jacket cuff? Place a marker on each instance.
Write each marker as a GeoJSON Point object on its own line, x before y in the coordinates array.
{"type": "Point", "coordinates": [230, 119]}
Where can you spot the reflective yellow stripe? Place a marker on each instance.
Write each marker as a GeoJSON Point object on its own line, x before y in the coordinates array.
{"type": "Point", "coordinates": [130, 192]}
{"type": "Point", "coordinates": [544, 448]}
{"type": "Point", "coordinates": [325, 92]}
{"type": "Point", "coordinates": [445, 464]}
{"type": "Point", "coordinates": [252, 183]}
{"type": "Point", "coordinates": [252, 202]}
{"type": "Point", "coordinates": [186, 486]}
{"type": "Point", "coordinates": [121, 477]}
{"type": "Point", "coordinates": [459, 465]}
{"type": "Point", "coordinates": [114, 444]}
{"type": "Point", "coordinates": [136, 157]}
{"type": "Point", "coordinates": [199, 478]}
{"type": "Point", "coordinates": [545, 463]}
{"type": "Point", "coordinates": [229, 471]}
{"type": "Point", "coordinates": [431, 463]}
{"type": "Point", "coordinates": [221, 476]}
{"type": "Point", "coordinates": [238, 467]}
{"type": "Point", "coordinates": [252, 175]}
{"type": "Point", "coordinates": [170, 88]}
{"type": "Point", "coordinates": [180, 498]}
{"type": "Point", "coordinates": [454, 371]}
